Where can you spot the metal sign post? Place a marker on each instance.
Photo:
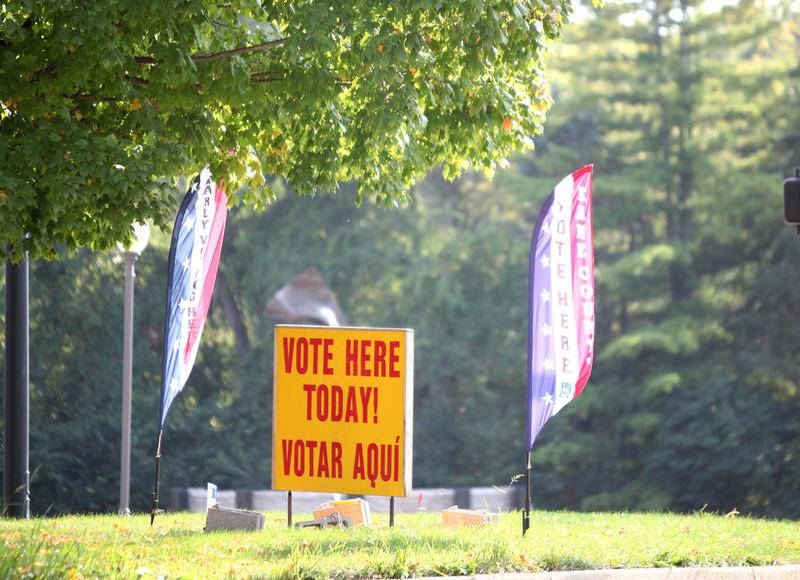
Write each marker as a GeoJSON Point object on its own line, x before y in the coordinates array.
{"type": "Point", "coordinates": [16, 491]}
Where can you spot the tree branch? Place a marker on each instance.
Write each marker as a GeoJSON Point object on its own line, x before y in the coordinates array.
{"type": "Point", "coordinates": [95, 98]}
{"type": "Point", "coordinates": [136, 80]}
{"type": "Point", "coordinates": [265, 77]}
{"type": "Point", "coordinates": [233, 52]}
{"type": "Point", "coordinates": [256, 77]}
{"type": "Point", "coordinates": [215, 56]}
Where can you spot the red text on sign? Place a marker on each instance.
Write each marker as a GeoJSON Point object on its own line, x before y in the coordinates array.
{"type": "Point", "coordinates": [312, 458]}
{"type": "Point", "coordinates": [372, 358]}
{"type": "Point", "coordinates": [335, 404]}
{"type": "Point", "coordinates": [303, 355]}
{"type": "Point", "coordinates": [374, 461]}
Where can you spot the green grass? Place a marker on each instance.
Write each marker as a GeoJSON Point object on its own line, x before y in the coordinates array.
{"type": "Point", "coordinates": [88, 546]}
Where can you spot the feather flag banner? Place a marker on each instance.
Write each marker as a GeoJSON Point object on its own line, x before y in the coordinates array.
{"type": "Point", "coordinates": [561, 300]}
{"type": "Point", "coordinates": [193, 262]}
{"type": "Point", "coordinates": [560, 307]}
{"type": "Point", "coordinates": [192, 271]}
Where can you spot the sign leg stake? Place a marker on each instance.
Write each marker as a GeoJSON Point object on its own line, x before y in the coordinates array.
{"type": "Point", "coordinates": [289, 508]}
{"type": "Point", "coordinates": [526, 513]}
{"type": "Point", "coordinates": [391, 512]}
{"type": "Point", "coordinates": [156, 480]}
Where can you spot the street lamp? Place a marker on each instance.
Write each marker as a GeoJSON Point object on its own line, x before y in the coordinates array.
{"type": "Point", "coordinates": [141, 235]}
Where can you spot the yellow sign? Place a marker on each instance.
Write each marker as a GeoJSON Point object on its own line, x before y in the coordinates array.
{"type": "Point", "coordinates": [342, 410]}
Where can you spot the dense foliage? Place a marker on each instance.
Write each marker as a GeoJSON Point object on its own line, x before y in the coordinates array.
{"type": "Point", "coordinates": [101, 101]}
{"type": "Point", "coordinates": [691, 117]}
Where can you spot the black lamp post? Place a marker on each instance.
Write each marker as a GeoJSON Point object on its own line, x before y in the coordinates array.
{"type": "Point", "coordinates": [16, 488]}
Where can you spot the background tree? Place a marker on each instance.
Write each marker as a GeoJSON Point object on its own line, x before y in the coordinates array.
{"type": "Point", "coordinates": [101, 103]}
{"type": "Point", "coordinates": [679, 103]}
{"type": "Point", "coordinates": [694, 397]}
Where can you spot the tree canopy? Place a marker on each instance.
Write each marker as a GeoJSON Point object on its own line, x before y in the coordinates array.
{"type": "Point", "coordinates": [103, 103]}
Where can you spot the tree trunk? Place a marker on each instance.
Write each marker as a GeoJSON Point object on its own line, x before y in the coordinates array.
{"type": "Point", "coordinates": [234, 316]}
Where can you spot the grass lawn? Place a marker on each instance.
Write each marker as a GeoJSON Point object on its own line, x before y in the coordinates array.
{"type": "Point", "coordinates": [87, 546]}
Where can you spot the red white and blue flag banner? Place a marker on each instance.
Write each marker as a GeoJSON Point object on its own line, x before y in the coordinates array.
{"type": "Point", "coordinates": [561, 300]}
{"type": "Point", "coordinates": [193, 262]}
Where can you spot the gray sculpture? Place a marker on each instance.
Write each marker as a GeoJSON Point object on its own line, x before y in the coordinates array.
{"type": "Point", "coordinates": [307, 299]}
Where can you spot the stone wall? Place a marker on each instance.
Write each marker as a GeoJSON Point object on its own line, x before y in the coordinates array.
{"type": "Point", "coordinates": [492, 498]}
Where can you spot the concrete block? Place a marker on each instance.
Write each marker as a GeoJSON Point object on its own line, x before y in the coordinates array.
{"type": "Point", "coordinates": [433, 500]}
{"type": "Point", "coordinates": [266, 500]}
{"type": "Point", "coordinates": [226, 498]}
{"type": "Point", "coordinates": [221, 519]}
{"type": "Point", "coordinates": [244, 499]}
{"type": "Point", "coordinates": [196, 499]}
{"type": "Point", "coordinates": [177, 499]}
{"type": "Point", "coordinates": [493, 499]}
{"type": "Point", "coordinates": [302, 502]}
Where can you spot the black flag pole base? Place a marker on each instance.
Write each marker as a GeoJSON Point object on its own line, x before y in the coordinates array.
{"type": "Point", "coordinates": [526, 512]}
{"type": "Point", "coordinates": [156, 482]}
{"type": "Point", "coordinates": [526, 521]}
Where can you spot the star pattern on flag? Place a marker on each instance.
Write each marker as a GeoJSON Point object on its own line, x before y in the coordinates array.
{"type": "Point", "coordinates": [560, 336]}
{"type": "Point", "coordinates": [193, 268]}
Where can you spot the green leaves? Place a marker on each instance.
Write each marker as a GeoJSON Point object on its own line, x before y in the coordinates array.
{"type": "Point", "coordinates": [321, 94]}
{"type": "Point", "coordinates": [675, 336]}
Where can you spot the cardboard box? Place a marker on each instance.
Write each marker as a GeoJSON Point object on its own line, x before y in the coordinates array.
{"type": "Point", "coordinates": [453, 517]}
{"type": "Point", "coordinates": [356, 510]}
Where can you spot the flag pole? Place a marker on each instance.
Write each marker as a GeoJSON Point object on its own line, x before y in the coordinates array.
{"type": "Point", "coordinates": [157, 480]}
{"type": "Point", "coordinates": [526, 513]}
